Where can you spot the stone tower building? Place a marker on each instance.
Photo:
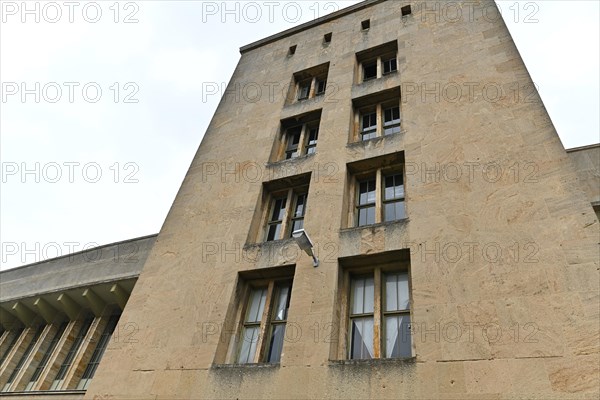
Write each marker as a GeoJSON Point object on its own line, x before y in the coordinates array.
{"type": "Point", "coordinates": [457, 245]}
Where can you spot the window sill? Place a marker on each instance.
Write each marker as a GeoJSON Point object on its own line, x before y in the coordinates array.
{"type": "Point", "coordinates": [275, 164]}
{"type": "Point", "coordinates": [373, 361]}
{"type": "Point", "coordinates": [245, 366]}
{"type": "Point", "coordinates": [376, 139]}
{"type": "Point", "coordinates": [375, 226]}
{"type": "Point", "coordinates": [45, 393]}
{"type": "Point", "coordinates": [382, 78]}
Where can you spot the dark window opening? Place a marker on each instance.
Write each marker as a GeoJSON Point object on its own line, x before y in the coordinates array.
{"type": "Point", "coordinates": [369, 71]}
{"type": "Point", "coordinates": [366, 24]}
{"type": "Point", "coordinates": [406, 10]}
{"type": "Point", "coordinates": [327, 38]}
{"type": "Point", "coordinates": [292, 50]}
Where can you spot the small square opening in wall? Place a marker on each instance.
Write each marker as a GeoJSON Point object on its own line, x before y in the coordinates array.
{"type": "Point", "coordinates": [406, 10]}
{"type": "Point", "coordinates": [366, 24]}
{"type": "Point", "coordinates": [292, 50]}
{"type": "Point", "coordinates": [327, 38]}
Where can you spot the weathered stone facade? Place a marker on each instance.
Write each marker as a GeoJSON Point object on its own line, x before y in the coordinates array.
{"type": "Point", "coordinates": [500, 239]}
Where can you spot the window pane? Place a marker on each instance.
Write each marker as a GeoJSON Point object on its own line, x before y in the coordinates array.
{"type": "Point", "coordinates": [397, 336]}
{"type": "Point", "coordinates": [361, 338]}
{"type": "Point", "coordinates": [293, 139]}
{"type": "Point", "coordinates": [362, 295]}
{"type": "Point", "coordinates": [313, 136]}
{"type": "Point", "coordinates": [276, 343]}
{"type": "Point", "coordinates": [369, 120]}
{"type": "Point", "coordinates": [366, 216]}
{"type": "Point", "coordinates": [282, 303]}
{"type": "Point", "coordinates": [300, 205]}
{"type": "Point", "coordinates": [394, 211]}
{"type": "Point", "coordinates": [391, 131]}
{"type": "Point", "coordinates": [366, 192]}
{"type": "Point", "coordinates": [249, 341]}
{"type": "Point", "coordinates": [321, 85]}
{"type": "Point", "coordinates": [392, 115]}
{"type": "Point", "coordinates": [370, 70]}
{"type": "Point", "coordinates": [297, 225]}
{"type": "Point", "coordinates": [396, 291]}
{"type": "Point", "coordinates": [274, 232]}
{"type": "Point", "coordinates": [256, 305]}
{"type": "Point", "coordinates": [390, 65]}
{"type": "Point", "coordinates": [278, 209]}
{"type": "Point", "coordinates": [304, 90]}
{"type": "Point", "coordinates": [394, 187]}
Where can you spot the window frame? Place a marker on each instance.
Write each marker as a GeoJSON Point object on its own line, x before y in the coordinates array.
{"type": "Point", "coordinates": [378, 272]}
{"type": "Point", "coordinates": [380, 174]}
{"type": "Point", "coordinates": [304, 145]}
{"type": "Point", "coordinates": [267, 320]}
{"type": "Point", "coordinates": [291, 196]}
{"type": "Point", "coordinates": [311, 86]}
{"type": "Point", "coordinates": [379, 108]}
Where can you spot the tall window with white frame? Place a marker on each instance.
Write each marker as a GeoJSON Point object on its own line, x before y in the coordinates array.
{"type": "Point", "coordinates": [265, 317]}
{"type": "Point", "coordinates": [379, 314]}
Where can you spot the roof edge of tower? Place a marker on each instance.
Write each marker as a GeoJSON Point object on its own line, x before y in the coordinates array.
{"type": "Point", "coordinates": [308, 25]}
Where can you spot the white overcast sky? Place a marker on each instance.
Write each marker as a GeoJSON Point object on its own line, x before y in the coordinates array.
{"type": "Point", "coordinates": [143, 149]}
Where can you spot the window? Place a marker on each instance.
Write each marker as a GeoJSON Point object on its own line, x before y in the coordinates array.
{"type": "Point", "coordinates": [265, 311]}
{"type": "Point", "coordinates": [286, 214]}
{"type": "Point", "coordinates": [391, 300]}
{"type": "Point", "coordinates": [369, 71]}
{"type": "Point", "coordinates": [365, 207]}
{"type": "Point", "coordinates": [300, 136]}
{"type": "Point", "coordinates": [293, 141]}
{"type": "Point", "coordinates": [90, 370]}
{"type": "Point", "coordinates": [313, 136]}
{"type": "Point", "coordinates": [292, 50]}
{"type": "Point", "coordinates": [46, 357]}
{"type": "Point", "coordinates": [390, 65]}
{"type": "Point", "coordinates": [406, 10]}
{"type": "Point", "coordinates": [12, 343]}
{"type": "Point", "coordinates": [369, 125]}
{"type": "Point", "coordinates": [62, 372]}
{"type": "Point", "coordinates": [376, 191]}
{"type": "Point", "coordinates": [369, 119]}
{"type": "Point", "coordinates": [376, 115]}
{"type": "Point", "coordinates": [309, 83]}
{"type": "Point", "coordinates": [327, 38]}
{"type": "Point", "coordinates": [321, 86]}
{"type": "Point", "coordinates": [392, 185]}
{"type": "Point", "coordinates": [366, 24]}
{"type": "Point", "coordinates": [304, 90]}
{"type": "Point", "coordinates": [23, 358]}
{"type": "Point", "coordinates": [374, 297]}
{"type": "Point", "coordinates": [393, 197]}
{"type": "Point", "coordinates": [391, 120]}
{"type": "Point", "coordinates": [377, 62]}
